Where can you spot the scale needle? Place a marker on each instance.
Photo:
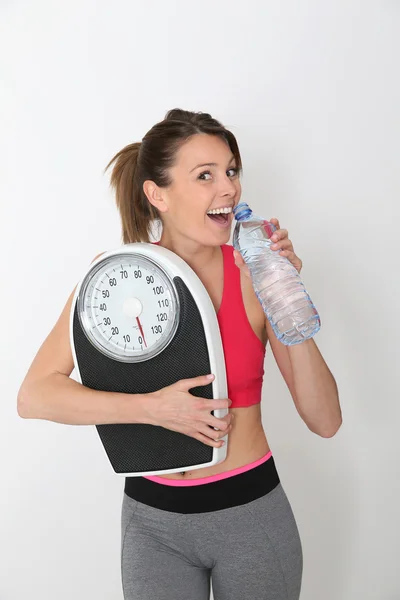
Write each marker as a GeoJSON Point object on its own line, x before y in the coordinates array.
{"type": "Point", "coordinates": [141, 330]}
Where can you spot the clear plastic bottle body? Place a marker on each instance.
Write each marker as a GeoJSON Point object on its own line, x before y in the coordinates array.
{"type": "Point", "coordinates": [276, 282]}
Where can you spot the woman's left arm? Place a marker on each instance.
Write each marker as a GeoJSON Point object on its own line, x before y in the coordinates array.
{"type": "Point", "coordinates": [310, 382]}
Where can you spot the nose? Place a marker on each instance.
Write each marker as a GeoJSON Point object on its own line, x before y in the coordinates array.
{"type": "Point", "coordinates": [228, 188]}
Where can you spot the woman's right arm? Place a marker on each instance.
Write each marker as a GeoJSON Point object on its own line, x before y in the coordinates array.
{"type": "Point", "coordinates": [48, 392]}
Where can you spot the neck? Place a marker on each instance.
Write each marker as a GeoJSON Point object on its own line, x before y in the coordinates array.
{"type": "Point", "coordinates": [196, 255]}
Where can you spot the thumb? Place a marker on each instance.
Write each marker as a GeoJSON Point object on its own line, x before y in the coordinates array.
{"type": "Point", "coordinates": [238, 257]}
{"type": "Point", "coordinates": [187, 384]}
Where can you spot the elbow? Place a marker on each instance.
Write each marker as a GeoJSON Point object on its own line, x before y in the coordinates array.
{"type": "Point", "coordinates": [23, 409]}
{"type": "Point", "coordinates": [331, 431]}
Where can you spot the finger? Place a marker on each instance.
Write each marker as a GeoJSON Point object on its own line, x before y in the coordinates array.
{"type": "Point", "coordinates": [188, 384]}
{"type": "Point", "coordinates": [218, 403]}
{"type": "Point", "coordinates": [208, 441]}
{"type": "Point", "coordinates": [217, 423]}
{"type": "Point", "coordinates": [222, 422]}
{"type": "Point", "coordinates": [238, 257]}
{"type": "Point", "coordinates": [279, 234]}
{"type": "Point", "coordinates": [284, 244]}
{"type": "Point", "coordinates": [215, 433]}
{"type": "Point", "coordinates": [295, 260]}
{"type": "Point", "coordinates": [289, 254]}
{"type": "Point", "coordinates": [275, 222]}
{"type": "Point", "coordinates": [228, 418]}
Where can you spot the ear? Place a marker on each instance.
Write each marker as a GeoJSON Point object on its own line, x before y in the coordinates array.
{"type": "Point", "coordinates": [155, 196]}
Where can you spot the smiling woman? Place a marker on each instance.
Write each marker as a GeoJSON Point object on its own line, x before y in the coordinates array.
{"type": "Point", "coordinates": [185, 166]}
{"type": "Point", "coordinates": [185, 176]}
{"type": "Point", "coordinates": [185, 203]}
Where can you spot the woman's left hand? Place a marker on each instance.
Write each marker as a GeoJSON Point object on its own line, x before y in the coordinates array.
{"type": "Point", "coordinates": [281, 242]}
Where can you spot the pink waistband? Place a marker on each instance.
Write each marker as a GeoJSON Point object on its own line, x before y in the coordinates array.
{"type": "Point", "coordinates": [210, 478]}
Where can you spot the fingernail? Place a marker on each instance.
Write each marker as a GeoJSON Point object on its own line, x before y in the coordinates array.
{"type": "Point", "coordinates": [210, 376]}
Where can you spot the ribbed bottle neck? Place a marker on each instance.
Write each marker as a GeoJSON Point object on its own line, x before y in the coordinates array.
{"type": "Point", "coordinates": [242, 211]}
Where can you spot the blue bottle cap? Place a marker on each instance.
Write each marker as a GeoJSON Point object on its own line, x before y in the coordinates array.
{"type": "Point", "coordinates": [242, 211]}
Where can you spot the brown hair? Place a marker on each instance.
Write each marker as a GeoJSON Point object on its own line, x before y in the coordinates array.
{"type": "Point", "coordinates": [151, 159]}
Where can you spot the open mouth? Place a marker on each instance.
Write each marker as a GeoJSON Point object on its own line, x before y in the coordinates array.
{"type": "Point", "coordinates": [221, 218]}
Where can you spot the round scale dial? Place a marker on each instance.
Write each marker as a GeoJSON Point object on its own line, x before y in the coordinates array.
{"type": "Point", "coordinates": [128, 307]}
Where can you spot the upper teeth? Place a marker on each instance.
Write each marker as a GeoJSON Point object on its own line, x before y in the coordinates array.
{"type": "Point", "coordinates": [218, 211]}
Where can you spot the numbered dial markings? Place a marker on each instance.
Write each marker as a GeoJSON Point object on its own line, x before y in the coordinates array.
{"type": "Point", "coordinates": [129, 308]}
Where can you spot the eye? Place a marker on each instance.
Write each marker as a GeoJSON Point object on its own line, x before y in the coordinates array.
{"type": "Point", "coordinates": [234, 170]}
{"type": "Point", "coordinates": [204, 173]}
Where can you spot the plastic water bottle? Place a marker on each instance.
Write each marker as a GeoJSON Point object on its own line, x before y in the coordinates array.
{"type": "Point", "coordinates": [276, 281]}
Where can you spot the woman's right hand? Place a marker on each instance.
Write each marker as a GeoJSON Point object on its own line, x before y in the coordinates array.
{"type": "Point", "coordinates": [173, 407]}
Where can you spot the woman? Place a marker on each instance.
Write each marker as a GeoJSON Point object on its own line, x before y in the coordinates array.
{"type": "Point", "coordinates": [231, 523]}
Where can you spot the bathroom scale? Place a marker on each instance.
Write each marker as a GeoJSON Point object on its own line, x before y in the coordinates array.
{"type": "Point", "coordinates": [141, 319]}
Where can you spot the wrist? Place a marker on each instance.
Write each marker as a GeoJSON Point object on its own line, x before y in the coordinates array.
{"type": "Point", "coordinates": [134, 408]}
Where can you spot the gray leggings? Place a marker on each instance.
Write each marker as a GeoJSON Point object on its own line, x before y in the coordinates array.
{"type": "Point", "coordinates": [248, 552]}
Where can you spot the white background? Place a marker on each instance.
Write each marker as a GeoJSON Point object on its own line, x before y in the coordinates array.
{"type": "Point", "coordinates": [311, 90]}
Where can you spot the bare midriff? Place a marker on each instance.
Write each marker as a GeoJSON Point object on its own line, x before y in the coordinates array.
{"type": "Point", "coordinates": [246, 443]}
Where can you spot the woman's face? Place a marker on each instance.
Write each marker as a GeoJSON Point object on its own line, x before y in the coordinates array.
{"type": "Point", "coordinates": [204, 178]}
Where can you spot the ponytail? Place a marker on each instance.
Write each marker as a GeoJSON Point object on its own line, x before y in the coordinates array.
{"type": "Point", "coordinates": [136, 213]}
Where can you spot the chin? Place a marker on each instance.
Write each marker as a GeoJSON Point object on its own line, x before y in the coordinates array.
{"type": "Point", "coordinates": [223, 238]}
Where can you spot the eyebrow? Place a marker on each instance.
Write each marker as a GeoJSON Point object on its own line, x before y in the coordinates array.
{"type": "Point", "coordinates": [211, 164]}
